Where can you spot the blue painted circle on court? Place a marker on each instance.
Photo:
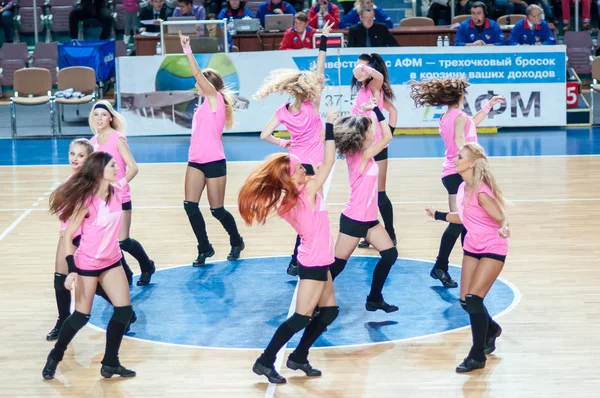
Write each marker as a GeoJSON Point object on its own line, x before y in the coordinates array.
{"type": "Point", "coordinates": [240, 304]}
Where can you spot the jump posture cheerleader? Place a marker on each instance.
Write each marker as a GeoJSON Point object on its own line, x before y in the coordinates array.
{"type": "Point", "coordinates": [79, 150]}
{"type": "Point", "coordinates": [480, 208]}
{"type": "Point", "coordinates": [207, 166]}
{"type": "Point", "coordinates": [281, 184]}
{"type": "Point", "coordinates": [371, 80]}
{"type": "Point", "coordinates": [108, 127]}
{"type": "Point", "coordinates": [354, 137]}
{"type": "Point", "coordinates": [456, 128]}
{"type": "Point", "coordinates": [302, 118]}
{"type": "Point", "coordinates": [90, 202]}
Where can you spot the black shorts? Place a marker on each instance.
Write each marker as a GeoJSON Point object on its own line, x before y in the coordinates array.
{"type": "Point", "coordinates": [358, 229]}
{"type": "Point", "coordinates": [97, 272]}
{"type": "Point", "coordinates": [451, 183]}
{"type": "Point", "coordinates": [313, 273]}
{"type": "Point", "coordinates": [479, 256]}
{"type": "Point", "coordinates": [383, 155]}
{"type": "Point", "coordinates": [126, 206]}
{"type": "Point", "coordinates": [214, 169]}
{"type": "Point", "coordinates": [309, 169]}
{"type": "Point", "coordinates": [76, 240]}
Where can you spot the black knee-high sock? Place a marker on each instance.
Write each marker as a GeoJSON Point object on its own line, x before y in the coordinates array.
{"type": "Point", "coordinates": [69, 329]}
{"type": "Point", "coordinates": [337, 267]}
{"type": "Point", "coordinates": [198, 225]}
{"type": "Point", "coordinates": [381, 272]}
{"type": "Point", "coordinates": [114, 335]}
{"type": "Point", "coordinates": [451, 234]}
{"type": "Point", "coordinates": [479, 326]}
{"type": "Point", "coordinates": [228, 222]}
{"type": "Point", "coordinates": [387, 213]}
{"type": "Point", "coordinates": [134, 248]}
{"type": "Point", "coordinates": [492, 325]}
{"type": "Point", "coordinates": [63, 297]}
{"type": "Point", "coordinates": [315, 328]}
{"type": "Point", "coordinates": [282, 335]}
{"type": "Point", "coordinates": [295, 255]}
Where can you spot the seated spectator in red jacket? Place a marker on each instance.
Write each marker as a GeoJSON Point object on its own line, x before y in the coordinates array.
{"type": "Point", "coordinates": [299, 36]}
{"type": "Point", "coordinates": [321, 13]}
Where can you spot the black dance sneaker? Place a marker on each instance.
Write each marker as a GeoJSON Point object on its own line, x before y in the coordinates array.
{"type": "Point", "coordinates": [305, 367]}
{"type": "Point", "coordinates": [132, 320]}
{"type": "Point", "coordinates": [469, 365]}
{"type": "Point", "coordinates": [270, 373]}
{"type": "Point", "coordinates": [53, 335]}
{"type": "Point", "coordinates": [380, 305]}
{"type": "Point", "coordinates": [146, 276]}
{"type": "Point", "coordinates": [443, 277]}
{"type": "Point", "coordinates": [199, 262]}
{"type": "Point", "coordinates": [110, 371]}
{"type": "Point", "coordinates": [49, 369]}
{"type": "Point", "coordinates": [235, 252]}
{"type": "Point", "coordinates": [490, 341]}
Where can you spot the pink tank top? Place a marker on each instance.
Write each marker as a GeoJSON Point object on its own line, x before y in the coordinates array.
{"type": "Point", "coordinates": [305, 132]}
{"type": "Point", "coordinates": [316, 242]}
{"type": "Point", "coordinates": [362, 205]}
{"type": "Point", "coordinates": [63, 224]}
{"type": "Point", "coordinates": [482, 230]}
{"type": "Point", "coordinates": [99, 247]}
{"type": "Point", "coordinates": [110, 146]}
{"type": "Point", "coordinates": [206, 144]}
{"type": "Point", "coordinates": [363, 98]}
{"type": "Point", "coordinates": [447, 133]}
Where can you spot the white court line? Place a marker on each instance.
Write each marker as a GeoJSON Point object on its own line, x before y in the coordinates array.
{"type": "Point", "coordinates": [279, 359]}
{"type": "Point", "coordinates": [14, 224]}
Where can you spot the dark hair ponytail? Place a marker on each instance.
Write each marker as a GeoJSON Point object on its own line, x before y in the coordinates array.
{"type": "Point", "coordinates": [376, 62]}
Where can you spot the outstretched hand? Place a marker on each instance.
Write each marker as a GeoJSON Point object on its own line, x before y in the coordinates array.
{"type": "Point", "coordinates": [327, 29]}
{"type": "Point", "coordinates": [430, 211]}
{"type": "Point", "coordinates": [185, 40]}
{"type": "Point", "coordinates": [369, 106]}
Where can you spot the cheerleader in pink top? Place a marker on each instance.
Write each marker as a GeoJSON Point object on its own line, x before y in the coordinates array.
{"type": "Point", "coordinates": [371, 80]}
{"type": "Point", "coordinates": [481, 209]}
{"type": "Point", "coordinates": [456, 128]}
{"type": "Point", "coordinates": [90, 202]}
{"type": "Point", "coordinates": [108, 127]}
{"type": "Point", "coordinates": [354, 137]}
{"type": "Point", "coordinates": [207, 166]}
{"type": "Point", "coordinates": [281, 184]}
{"type": "Point", "coordinates": [301, 118]}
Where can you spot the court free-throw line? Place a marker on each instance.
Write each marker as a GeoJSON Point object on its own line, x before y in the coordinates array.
{"type": "Point", "coordinates": [14, 224]}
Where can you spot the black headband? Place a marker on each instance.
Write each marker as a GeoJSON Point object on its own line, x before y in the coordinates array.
{"type": "Point", "coordinates": [107, 158]}
{"type": "Point", "coordinates": [102, 106]}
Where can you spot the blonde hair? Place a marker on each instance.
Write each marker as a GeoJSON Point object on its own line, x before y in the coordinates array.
{"type": "Point", "coordinates": [301, 84]}
{"type": "Point", "coordinates": [117, 123]}
{"type": "Point", "coordinates": [482, 173]}
{"type": "Point", "coordinates": [84, 142]}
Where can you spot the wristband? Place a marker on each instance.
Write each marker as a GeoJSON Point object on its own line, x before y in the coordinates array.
{"type": "Point", "coordinates": [122, 182]}
{"type": "Point", "coordinates": [440, 216]}
{"type": "Point", "coordinates": [488, 107]}
{"type": "Point", "coordinates": [328, 131]}
{"type": "Point", "coordinates": [392, 129]}
{"type": "Point", "coordinates": [71, 264]}
{"type": "Point", "coordinates": [282, 143]}
{"type": "Point", "coordinates": [323, 43]}
{"type": "Point", "coordinates": [187, 50]}
{"type": "Point", "coordinates": [380, 117]}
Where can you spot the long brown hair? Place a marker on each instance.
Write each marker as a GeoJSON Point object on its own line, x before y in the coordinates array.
{"type": "Point", "coordinates": [438, 92]}
{"type": "Point", "coordinates": [228, 98]}
{"type": "Point", "coordinates": [72, 195]}
{"type": "Point", "coordinates": [349, 133]}
{"type": "Point", "coordinates": [482, 173]}
{"type": "Point", "coordinates": [270, 186]}
{"type": "Point", "coordinates": [376, 62]}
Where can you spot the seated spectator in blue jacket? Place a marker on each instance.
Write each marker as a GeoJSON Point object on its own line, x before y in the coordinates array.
{"type": "Point", "coordinates": [479, 30]}
{"type": "Point", "coordinates": [235, 9]}
{"type": "Point", "coordinates": [352, 18]}
{"type": "Point", "coordinates": [274, 7]}
{"type": "Point", "coordinates": [532, 30]}
{"type": "Point", "coordinates": [214, 30]}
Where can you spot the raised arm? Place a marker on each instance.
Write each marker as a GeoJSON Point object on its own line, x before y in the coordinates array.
{"type": "Point", "coordinates": [267, 133]}
{"type": "Point", "coordinates": [321, 59]}
{"type": "Point", "coordinates": [482, 114]}
{"type": "Point", "coordinates": [322, 171]}
{"type": "Point", "coordinates": [385, 130]}
{"type": "Point", "coordinates": [205, 85]}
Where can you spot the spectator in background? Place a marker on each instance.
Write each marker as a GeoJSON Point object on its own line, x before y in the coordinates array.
{"type": "Point", "coordinates": [186, 8]}
{"type": "Point", "coordinates": [507, 7]}
{"type": "Point", "coordinates": [479, 30]}
{"type": "Point", "coordinates": [347, 5]}
{"type": "Point", "coordinates": [235, 9]}
{"type": "Point", "coordinates": [157, 10]}
{"type": "Point", "coordinates": [299, 36]}
{"type": "Point", "coordinates": [7, 20]}
{"type": "Point", "coordinates": [131, 12]}
{"type": "Point", "coordinates": [441, 9]}
{"type": "Point", "coordinates": [353, 17]}
{"type": "Point", "coordinates": [273, 7]}
{"type": "Point", "coordinates": [532, 30]}
{"type": "Point", "coordinates": [91, 9]}
{"type": "Point", "coordinates": [370, 34]}
{"type": "Point", "coordinates": [585, 13]}
{"type": "Point", "coordinates": [322, 12]}
{"type": "Point", "coordinates": [214, 30]}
